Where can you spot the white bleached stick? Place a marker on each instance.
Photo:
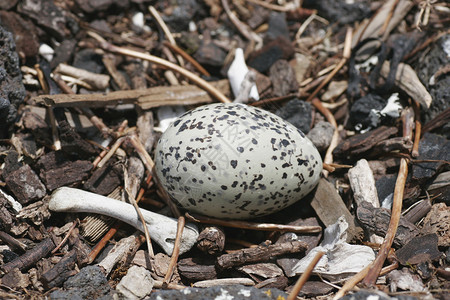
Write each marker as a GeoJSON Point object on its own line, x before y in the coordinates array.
{"type": "Point", "coordinates": [162, 229]}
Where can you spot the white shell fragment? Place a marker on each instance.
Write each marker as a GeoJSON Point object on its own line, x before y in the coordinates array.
{"type": "Point", "coordinates": [341, 260]}
{"type": "Point", "coordinates": [235, 161]}
{"type": "Point", "coordinates": [162, 229]}
{"type": "Point", "coordinates": [168, 114]}
{"type": "Point", "coordinates": [46, 52]}
{"type": "Point", "coordinates": [236, 75]}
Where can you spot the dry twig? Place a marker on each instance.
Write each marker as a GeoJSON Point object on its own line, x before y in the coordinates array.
{"type": "Point", "coordinates": [49, 110]}
{"type": "Point", "coordinates": [176, 251]}
{"type": "Point", "coordinates": [163, 63]}
{"type": "Point", "coordinates": [187, 57]}
{"type": "Point", "coordinates": [75, 223]}
{"type": "Point", "coordinates": [243, 28]}
{"type": "Point", "coordinates": [165, 29]}
{"type": "Point", "coordinates": [316, 102]}
{"type": "Point", "coordinates": [418, 129]}
{"type": "Point", "coordinates": [253, 226]}
{"type": "Point", "coordinates": [304, 277]}
{"type": "Point", "coordinates": [138, 211]}
{"type": "Point", "coordinates": [396, 211]}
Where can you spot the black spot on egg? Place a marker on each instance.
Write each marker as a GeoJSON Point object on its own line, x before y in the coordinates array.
{"type": "Point", "coordinates": [233, 163]}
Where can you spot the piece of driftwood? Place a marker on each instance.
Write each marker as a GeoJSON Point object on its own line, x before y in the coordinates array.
{"type": "Point", "coordinates": [252, 225]}
{"type": "Point", "coordinates": [60, 272]}
{"type": "Point", "coordinates": [420, 249]}
{"type": "Point", "coordinates": [12, 242]}
{"type": "Point", "coordinates": [401, 144]}
{"type": "Point", "coordinates": [361, 143]}
{"type": "Point", "coordinates": [438, 221]}
{"type": "Point", "coordinates": [96, 81]}
{"type": "Point", "coordinates": [197, 268]}
{"type": "Point", "coordinates": [147, 98]}
{"type": "Point", "coordinates": [407, 80]}
{"type": "Point", "coordinates": [376, 27]}
{"type": "Point", "coordinates": [377, 220]}
{"type": "Point", "coordinates": [280, 282]}
{"type": "Point", "coordinates": [363, 183]}
{"type": "Point", "coordinates": [262, 270]}
{"type": "Point", "coordinates": [416, 213]}
{"type": "Point", "coordinates": [260, 253]}
{"type": "Point", "coordinates": [329, 206]}
{"type": "Point", "coordinates": [223, 281]}
{"type": "Point", "coordinates": [30, 257]}
{"type": "Point", "coordinates": [211, 240]}
{"type": "Point", "coordinates": [120, 250]}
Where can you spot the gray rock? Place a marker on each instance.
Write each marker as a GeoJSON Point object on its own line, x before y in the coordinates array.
{"type": "Point", "coordinates": [298, 113]}
{"type": "Point", "coordinates": [12, 91]}
{"type": "Point", "coordinates": [90, 284]}
{"type": "Point", "coordinates": [366, 295]}
{"type": "Point", "coordinates": [137, 284]}
{"type": "Point", "coordinates": [234, 292]}
{"type": "Point", "coordinates": [321, 135]}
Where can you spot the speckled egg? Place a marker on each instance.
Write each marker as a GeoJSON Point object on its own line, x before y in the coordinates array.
{"type": "Point", "coordinates": [235, 161]}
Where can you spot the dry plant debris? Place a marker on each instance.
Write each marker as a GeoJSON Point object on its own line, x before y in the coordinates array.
{"type": "Point", "coordinates": [88, 87]}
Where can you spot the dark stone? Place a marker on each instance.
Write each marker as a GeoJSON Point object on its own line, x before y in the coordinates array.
{"type": "Point", "coordinates": [63, 53]}
{"type": "Point", "coordinates": [339, 11]}
{"type": "Point", "coordinates": [90, 283]}
{"type": "Point", "coordinates": [92, 6]}
{"type": "Point", "coordinates": [11, 163]}
{"type": "Point", "coordinates": [263, 59]}
{"type": "Point", "coordinates": [210, 54]}
{"type": "Point", "coordinates": [189, 41]}
{"type": "Point", "coordinates": [385, 186]}
{"type": "Point", "coordinates": [419, 250]}
{"type": "Point", "coordinates": [25, 33]}
{"type": "Point", "coordinates": [435, 59]}
{"type": "Point", "coordinates": [425, 270]}
{"type": "Point", "coordinates": [12, 91]}
{"type": "Point", "coordinates": [298, 113]}
{"type": "Point", "coordinates": [278, 26]}
{"type": "Point", "coordinates": [25, 185]}
{"type": "Point", "coordinates": [431, 147]}
{"type": "Point", "coordinates": [321, 135]}
{"type": "Point", "coordinates": [283, 78]}
{"type": "Point", "coordinates": [29, 147]}
{"type": "Point", "coordinates": [182, 12]}
{"type": "Point", "coordinates": [47, 15]}
{"type": "Point", "coordinates": [360, 111]}
{"type": "Point", "coordinates": [216, 292]}
{"type": "Point", "coordinates": [89, 60]}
